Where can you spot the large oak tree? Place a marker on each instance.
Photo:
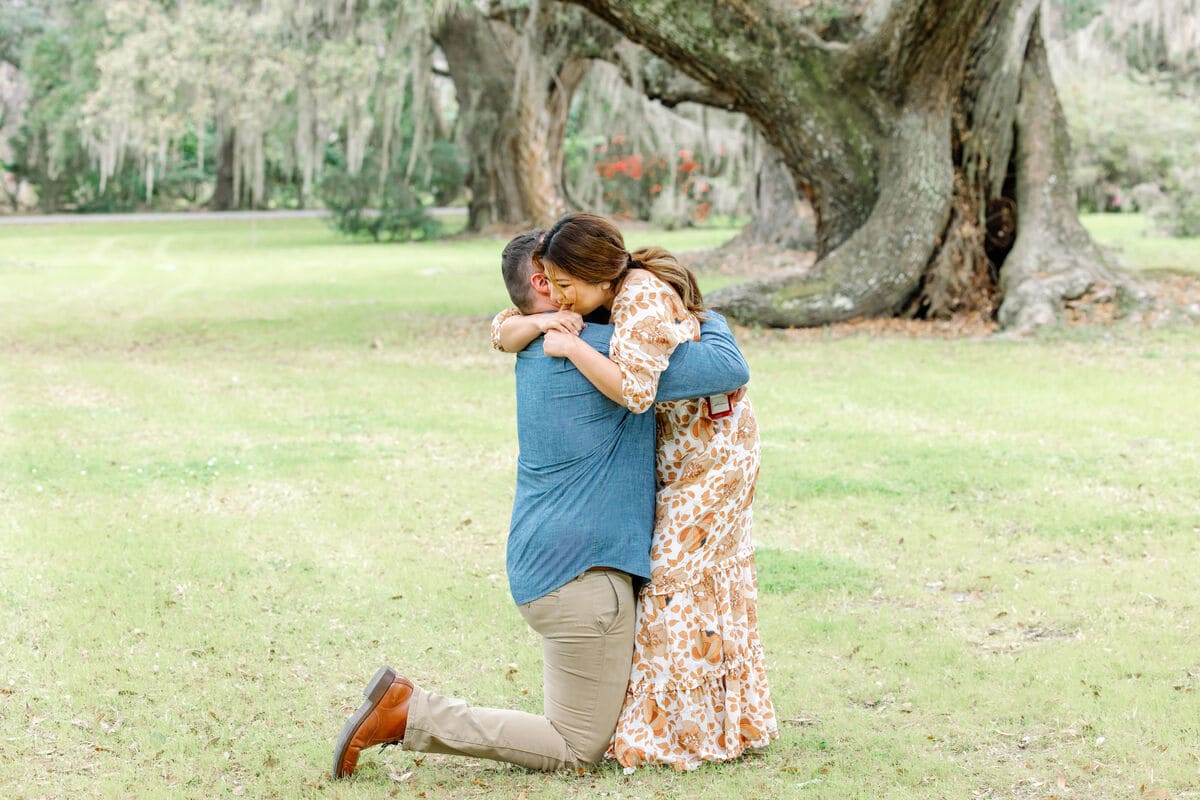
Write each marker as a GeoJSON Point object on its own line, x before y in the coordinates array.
{"type": "Point", "coordinates": [928, 138]}
{"type": "Point", "coordinates": [515, 72]}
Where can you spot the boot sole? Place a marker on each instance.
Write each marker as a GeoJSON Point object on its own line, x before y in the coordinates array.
{"type": "Point", "coordinates": [374, 693]}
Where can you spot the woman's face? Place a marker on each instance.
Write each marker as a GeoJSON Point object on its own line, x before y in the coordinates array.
{"type": "Point", "coordinates": [573, 294]}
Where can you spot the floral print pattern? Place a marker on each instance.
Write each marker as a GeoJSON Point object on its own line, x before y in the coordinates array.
{"type": "Point", "coordinates": [497, 321]}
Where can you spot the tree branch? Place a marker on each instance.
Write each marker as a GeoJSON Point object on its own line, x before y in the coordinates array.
{"type": "Point", "coordinates": [727, 46]}
{"type": "Point", "coordinates": [660, 81]}
{"type": "Point", "coordinates": [786, 79]}
{"type": "Point", "coordinates": [918, 41]}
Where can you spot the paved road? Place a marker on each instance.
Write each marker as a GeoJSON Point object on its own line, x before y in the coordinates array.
{"type": "Point", "coordinates": [183, 216]}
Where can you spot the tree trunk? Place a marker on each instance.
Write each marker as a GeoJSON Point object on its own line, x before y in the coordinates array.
{"type": "Point", "coordinates": [514, 83]}
{"type": "Point", "coordinates": [224, 198]}
{"type": "Point", "coordinates": [779, 216]}
{"type": "Point", "coordinates": [904, 139]}
{"type": "Point", "coordinates": [1054, 259]}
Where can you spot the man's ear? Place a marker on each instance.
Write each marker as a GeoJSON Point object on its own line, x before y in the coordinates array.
{"type": "Point", "coordinates": [540, 283]}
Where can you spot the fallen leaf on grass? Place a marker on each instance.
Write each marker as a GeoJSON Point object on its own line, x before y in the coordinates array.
{"type": "Point", "coordinates": [399, 777]}
{"type": "Point", "coordinates": [1155, 794]}
{"type": "Point", "coordinates": [800, 721]}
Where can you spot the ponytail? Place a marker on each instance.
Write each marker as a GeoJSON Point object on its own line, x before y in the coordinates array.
{"type": "Point", "coordinates": [667, 268]}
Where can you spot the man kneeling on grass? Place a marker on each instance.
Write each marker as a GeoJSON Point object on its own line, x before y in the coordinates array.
{"type": "Point", "coordinates": [579, 539]}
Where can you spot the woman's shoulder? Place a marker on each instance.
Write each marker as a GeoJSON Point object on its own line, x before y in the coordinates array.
{"type": "Point", "coordinates": [643, 290]}
{"type": "Point", "coordinates": [644, 280]}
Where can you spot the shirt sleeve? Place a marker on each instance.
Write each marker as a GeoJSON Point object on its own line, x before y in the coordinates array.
{"type": "Point", "coordinates": [713, 365]}
{"type": "Point", "coordinates": [497, 321]}
{"type": "Point", "coordinates": [646, 317]}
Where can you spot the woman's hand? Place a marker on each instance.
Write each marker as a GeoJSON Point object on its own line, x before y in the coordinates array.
{"type": "Point", "coordinates": [559, 344]}
{"type": "Point", "coordinates": [563, 321]}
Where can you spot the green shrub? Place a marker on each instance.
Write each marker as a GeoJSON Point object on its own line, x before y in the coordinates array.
{"type": "Point", "coordinates": [1179, 213]}
{"type": "Point", "coordinates": [384, 209]}
{"type": "Point", "coordinates": [447, 172]}
{"type": "Point", "coordinates": [1128, 138]}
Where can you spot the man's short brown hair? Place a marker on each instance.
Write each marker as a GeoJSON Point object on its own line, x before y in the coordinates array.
{"type": "Point", "coordinates": [516, 265]}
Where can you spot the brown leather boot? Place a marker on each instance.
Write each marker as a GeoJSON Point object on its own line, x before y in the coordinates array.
{"type": "Point", "coordinates": [381, 719]}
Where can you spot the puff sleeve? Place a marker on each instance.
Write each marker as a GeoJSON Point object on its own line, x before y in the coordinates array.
{"type": "Point", "coordinates": [649, 322]}
{"type": "Point", "coordinates": [497, 321]}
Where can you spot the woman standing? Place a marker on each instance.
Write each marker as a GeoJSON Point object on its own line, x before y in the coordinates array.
{"type": "Point", "coordinates": [698, 689]}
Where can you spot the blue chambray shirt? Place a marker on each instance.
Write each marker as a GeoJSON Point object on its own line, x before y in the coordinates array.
{"type": "Point", "coordinates": [585, 473]}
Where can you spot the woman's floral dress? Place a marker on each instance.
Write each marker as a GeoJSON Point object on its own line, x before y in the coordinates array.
{"type": "Point", "coordinates": [698, 686]}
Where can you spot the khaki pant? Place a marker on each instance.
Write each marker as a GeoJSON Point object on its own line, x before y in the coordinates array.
{"type": "Point", "coordinates": [587, 649]}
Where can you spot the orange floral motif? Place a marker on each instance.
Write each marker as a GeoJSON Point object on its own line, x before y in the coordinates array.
{"type": "Point", "coordinates": [737, 603]}
{"type": "Point", "coordinates": [690, 737]}
{"type": "Point", "coordinates": [655, 717]}
{"type": "Point", "coordinates": [694, 469]}
{"type": "Point", "coordinates": [652, 640]}
{"type": "Point", "coordinates": [707, 647]}
{"type": "Point", "coordinates": [725, 547]}
{"type": "Point", "coordinates": [698, 690]}
{"type": "Point", "coordinates": [692, 538]}
{"type": "Point", "coordinates": [747, 730]}
{"type": "Point", "coordinates": [632, 756]}
{"type": "Point", "coordinates": [654, 334]}
{"type": "Point", "coordinates": [730, 650]}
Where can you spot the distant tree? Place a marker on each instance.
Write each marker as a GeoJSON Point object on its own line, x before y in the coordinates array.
{"type": "Point", "coordinates": [642, 149]}
{"type": "Point", "coordinates": [1130, 70]}
{"type": "Point", "coordinates": [515, 72]}
{"type": "Point", "coordinates": [518, 70]}
{"type": "Point", "coordinates": [55, 44]}
{"type": "Point", "coordinates": [267, 90]}
{"type": "Point", "coordinates": [20, 21]}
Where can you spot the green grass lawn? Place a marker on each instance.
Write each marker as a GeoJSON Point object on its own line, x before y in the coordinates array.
{"type": "Point", "coordinates": [1132, 238]}
{"type": "Point", "coordinates": [243, 464]}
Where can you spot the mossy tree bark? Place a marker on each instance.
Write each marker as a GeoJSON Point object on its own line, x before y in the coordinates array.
{"type": "Point", "coordinates": [928, 140]}
{"type": "Point", "coordinates": [515, 76]}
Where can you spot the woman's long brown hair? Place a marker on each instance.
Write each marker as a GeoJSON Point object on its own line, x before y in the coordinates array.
{"type": "Point", "coordinates": [590, 248]}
